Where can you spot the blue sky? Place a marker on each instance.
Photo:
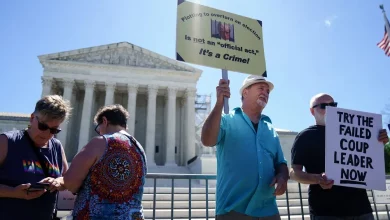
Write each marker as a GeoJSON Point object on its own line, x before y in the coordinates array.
{"type": "Point", "coordinates": [310, 47]}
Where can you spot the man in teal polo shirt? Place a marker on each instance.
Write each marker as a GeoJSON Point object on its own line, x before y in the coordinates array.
{"type": "Point", "coordinates": [250, 160]}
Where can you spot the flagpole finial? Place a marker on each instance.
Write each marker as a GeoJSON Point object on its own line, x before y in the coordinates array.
{"type": "Point", "coordinates": [381, 7]}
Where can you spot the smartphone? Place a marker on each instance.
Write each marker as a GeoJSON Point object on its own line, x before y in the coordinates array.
{"type": "Point", "coordinates": [38, 187]}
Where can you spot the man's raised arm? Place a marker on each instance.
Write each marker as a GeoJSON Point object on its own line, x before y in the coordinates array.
{"type": "Point", "coordinates": [211, 127]}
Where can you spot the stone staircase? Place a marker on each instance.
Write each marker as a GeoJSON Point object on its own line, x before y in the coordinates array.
{"type": "Point", "coordinates": [198, 203]}
{"type": "Point", "coordinates": [182, 201]}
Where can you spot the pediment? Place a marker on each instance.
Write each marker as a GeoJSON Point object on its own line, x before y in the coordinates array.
{"type": "Point", "coordinates": [120, 54]}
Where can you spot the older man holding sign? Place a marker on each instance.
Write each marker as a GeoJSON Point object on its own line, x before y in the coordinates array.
{"type": "Point", "coordinates": [338, 160]}
{"type": "Point", "coordinates": [250, 160]}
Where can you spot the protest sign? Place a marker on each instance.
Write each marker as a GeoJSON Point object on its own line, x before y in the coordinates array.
{"type": "Point", "coordinates": [353, 155]}
{"type": "Point", "coordinates": [219, 39]}
{"type": "Point", "coordinates": [382, 197]}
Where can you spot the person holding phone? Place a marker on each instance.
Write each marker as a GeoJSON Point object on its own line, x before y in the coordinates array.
{"type": "Point", "coordinates": [32, 161]}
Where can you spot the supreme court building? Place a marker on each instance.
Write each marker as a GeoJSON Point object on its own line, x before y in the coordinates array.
{"type": "Point", "coordinates": [159, 93]}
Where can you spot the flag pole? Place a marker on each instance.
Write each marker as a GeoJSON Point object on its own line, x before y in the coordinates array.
{"type": "Point", "coordinates": [385, 17]}
{"type": "Point", "coordinates": [384, 44]}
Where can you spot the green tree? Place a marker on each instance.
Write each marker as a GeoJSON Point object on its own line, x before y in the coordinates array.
{"type": "Point", "coordinates": [387, 158]}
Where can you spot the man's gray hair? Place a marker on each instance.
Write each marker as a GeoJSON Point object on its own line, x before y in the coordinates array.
{"type": "Point", "coordinates": [53, 107]}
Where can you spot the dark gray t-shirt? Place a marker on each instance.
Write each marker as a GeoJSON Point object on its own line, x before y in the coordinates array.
{"type": "Point", "coordinates": [22, 166]}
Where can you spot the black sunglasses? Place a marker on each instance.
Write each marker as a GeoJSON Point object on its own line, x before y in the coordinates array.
{"type": "Point", "coordinates": [323, 105]}
{"type": "Point", "coordinates": [43, 127]}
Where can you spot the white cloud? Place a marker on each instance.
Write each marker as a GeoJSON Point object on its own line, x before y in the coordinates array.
{"type": "Point", "coordinates": [329, 20]}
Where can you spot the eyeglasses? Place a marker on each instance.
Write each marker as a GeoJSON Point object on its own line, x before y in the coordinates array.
{"type": "Point", "coordinates": [96, 129]}
{"type": "Point", "coordinates": [323, 105]}
{"type": "Point", "coordinates": [43, 127]}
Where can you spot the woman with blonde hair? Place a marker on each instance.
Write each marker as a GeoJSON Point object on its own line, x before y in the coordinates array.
{"type": "Point", "coordinates": [108, 174]}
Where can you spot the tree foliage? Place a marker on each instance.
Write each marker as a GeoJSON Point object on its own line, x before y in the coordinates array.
{"type": "Point", "coordinates": [386, 122]}
{"type": "Point", "coordinates": [387, 158]}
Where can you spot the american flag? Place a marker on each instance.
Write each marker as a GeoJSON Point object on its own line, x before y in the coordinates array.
{"type": "Point", "coordinates": [384, 44]}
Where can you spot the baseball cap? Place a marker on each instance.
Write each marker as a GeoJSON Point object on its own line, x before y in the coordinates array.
{"type": "Point", "coordinates": [252, 79]}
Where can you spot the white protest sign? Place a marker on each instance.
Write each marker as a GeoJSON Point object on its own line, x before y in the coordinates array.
{"type": "Point", "coordinates": [65, 200]}
{"type": "Point", "coordinates": [353, 155]}
{"type": "Point", "coordinates": [382, 197]}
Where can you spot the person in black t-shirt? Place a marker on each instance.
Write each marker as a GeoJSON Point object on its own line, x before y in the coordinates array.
{"type": "Point", "coordinates": [326, 202]}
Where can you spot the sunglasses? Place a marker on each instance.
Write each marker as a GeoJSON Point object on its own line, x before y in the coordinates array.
{"type": "Point", "coordinates": [43, 127]}
{"type": "Point", "coordinates": [323, 105]}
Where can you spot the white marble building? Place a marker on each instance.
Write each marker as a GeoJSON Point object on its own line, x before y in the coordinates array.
{"type": "Point", "coordinates": [159, 93]}
{"type": "Point", "coordinates": [13, 121]}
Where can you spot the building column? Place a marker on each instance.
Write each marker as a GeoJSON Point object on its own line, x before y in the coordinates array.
{"type": "Point", "coordinates": [86, 114]}
{"type": "Point", "coordinates": [68, 90]}
{"type": "Point", "coordinates": [47, 83]}
{"type": "Point", "coordinates": [171, 126]}
{"type": "Point", "coordinates": [190, 122]}
{"type": "Point", "coordinates": [110, 91]}
{"type": "Point", "coordinates": [151, 124]}
{"type": "Point", "coordinates": [182, 133]}
{"type": "Point", "coordinates": [131, 106]}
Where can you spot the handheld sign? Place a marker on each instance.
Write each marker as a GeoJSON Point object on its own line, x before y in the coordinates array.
{"type": "Point", "coordinates": [219, 39]}
{"type": "Point", "coordinates": [214, 38]}
{"type": "Point", "coordinates": [353, 155]}
{"type": "Point", "coordinates": [382, 197]}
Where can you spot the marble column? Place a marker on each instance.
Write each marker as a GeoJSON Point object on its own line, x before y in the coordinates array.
{"type": "Point", "coordinates": [182, 133]}
{"type": "Point", "coordinates": [86, 121]}
{"type": "Point", "coordinates": [171, 126]}
{"type": "Point", "coordinates": [190, 119]}
{"type": "Point", "coordinates": [47, 84]}
{"type": "Point", "coordinates": [110, 91]}
{"type": "Point", "coordinates": [151, 124]}
{"type": "Point", "coordinates": [131, 106]}
{"type": "Point", "coordinates": [68, 91]}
